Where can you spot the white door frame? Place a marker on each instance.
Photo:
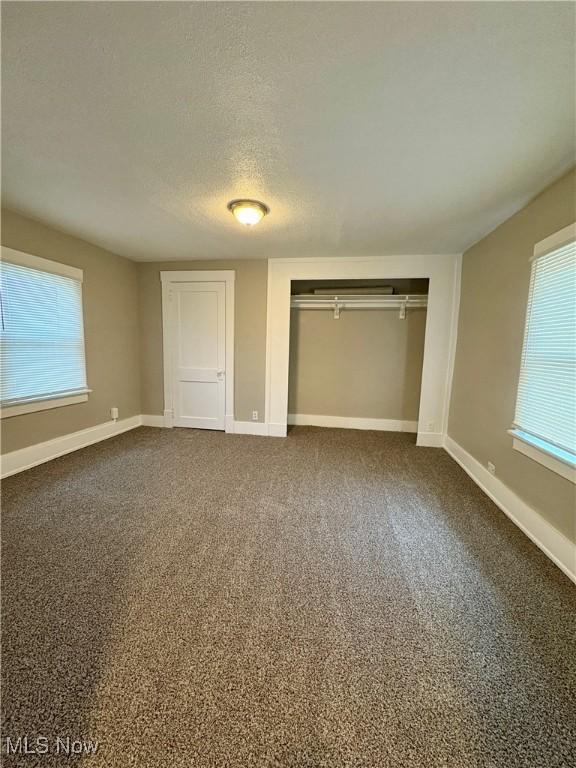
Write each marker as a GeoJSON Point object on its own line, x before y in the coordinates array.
{"type": "Point", "coordinates": [442, 272]}
{"type": "Point", "coordinates": [168, 279]}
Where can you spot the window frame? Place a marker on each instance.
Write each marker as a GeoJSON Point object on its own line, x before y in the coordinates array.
{"type": "Point", "coordinates": [44, 402]}
{"type": "Point", "coordinates": [537, 449]}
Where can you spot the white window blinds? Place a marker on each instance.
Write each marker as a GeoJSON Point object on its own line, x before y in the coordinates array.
{"type": "Point", "coordinates": [41, 335]}
{"type": "Point", "coordinates": [546, 404]}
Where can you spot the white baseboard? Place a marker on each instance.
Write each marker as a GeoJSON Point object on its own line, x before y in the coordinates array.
{"type": "Point", "coordinates": [352, 422]}
{"type": "Point", "coordinates": [25, 458]}
{"type": "Point", "coordinates": [153, 420]}
{"type": "Point", "coordinates": [231, 426]}
{"type": "Point", "coordinates": [250, 428]}
{"type": "Point", "coordinates": [430, 440]}
{"type": "Point", "coordinates": [277, 430]}
{"type": "Point", "coordinates": [551, 541]}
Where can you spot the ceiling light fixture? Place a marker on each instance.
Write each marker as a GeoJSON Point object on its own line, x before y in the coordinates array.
{"type": "Point", "coordinates": [248, 212]}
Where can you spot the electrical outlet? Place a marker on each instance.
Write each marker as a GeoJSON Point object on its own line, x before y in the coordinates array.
{"type": "Point", "coordinates": [491, 468]}
{"type": "Point", "coordinates": [254, 415]}
{"type": "Point", "coordinates": [428, 426]}
{"type": "Point", "coordinates": [114, 413]}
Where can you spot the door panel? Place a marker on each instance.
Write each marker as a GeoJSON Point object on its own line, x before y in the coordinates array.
{"type": "Point", "coordinates": [198, 320]}
{"type": "Point", "coordinates": [199, 354]}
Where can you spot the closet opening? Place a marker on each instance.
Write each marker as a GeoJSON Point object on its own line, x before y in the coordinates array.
{"type": "Point", "coordinates": [356, 353]}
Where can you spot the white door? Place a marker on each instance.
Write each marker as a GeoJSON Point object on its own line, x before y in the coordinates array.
{"type": "Point", "coordinates": [198, 329]}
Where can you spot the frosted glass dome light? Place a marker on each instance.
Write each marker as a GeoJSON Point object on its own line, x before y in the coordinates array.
{"type": "Point", "coordinates": [248, 212]}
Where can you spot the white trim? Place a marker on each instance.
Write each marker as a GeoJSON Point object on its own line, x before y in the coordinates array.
{"type": "Point", "coordinates": [153, 420]}
{"type": "Point", "coordinates": [453, 341]}
{"type": "Point", "coordinates": [198, 276]}
{"type": "Point", "coordinates": [43, 404]}
{"type": "Point", "coordinates": [358, 259]}
{"type": "Point", "coordinates": [548, 460]}
{"type": "Point", "coordinates": [227, 276]}
{"type": "Point", "coordinates": [277, 430]}
{"type": "Point", "coordinates": [167, 356]}
{"type": "Point", "coordinates": [430, 440]}
{"type": "Point", "coordinates": [442, 273]}
{"type": "Point", "coordinates": [555, 241]}
{"type": "Point", "coordinates": [232, 427]}
{"type": "Point", "coordinates": [550, 540]}
{"type": "Point", "coordinates": [17, 461]}
{"type": "Point", "coordinates": [268, 361]}
{"type": "Point", "coordinates": [352, 422]}
{"type": "Point", "coordinates": [22, 259]}
{"type": "Point", "coordinates": [250, 428]}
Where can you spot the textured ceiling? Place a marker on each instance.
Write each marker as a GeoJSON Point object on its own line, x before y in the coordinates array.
{"type": "Point", "coordinates": [368, 128]}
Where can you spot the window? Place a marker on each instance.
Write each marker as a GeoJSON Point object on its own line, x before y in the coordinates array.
{"type": "Point", "coordinates": [545, 420]}
{"type": "Point", "coordinates": [41, 334]}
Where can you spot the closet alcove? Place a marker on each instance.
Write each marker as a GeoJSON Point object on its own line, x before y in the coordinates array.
{"type": "Point", "coordinates": [356, 352]}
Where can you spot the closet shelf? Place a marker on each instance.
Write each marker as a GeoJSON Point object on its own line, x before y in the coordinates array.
{"type": "Point", "coordinates": [337, 303]}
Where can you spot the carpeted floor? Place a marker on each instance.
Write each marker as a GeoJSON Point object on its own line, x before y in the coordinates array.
{"type": "Point", "coordinates": [190, 599]}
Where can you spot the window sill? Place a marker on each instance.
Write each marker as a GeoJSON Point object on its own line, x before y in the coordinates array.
{"type": "Point", "coordinates": [548, 455]}
{"type": "Point", "coordinates": [43, 404]}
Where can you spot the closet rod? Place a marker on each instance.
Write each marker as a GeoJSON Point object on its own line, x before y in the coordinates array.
{"type": "Point", "coordinates": [337, 303]}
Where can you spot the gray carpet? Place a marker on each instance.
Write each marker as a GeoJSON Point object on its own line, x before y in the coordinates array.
{"type": "Point", "coordinates": [193, 599]}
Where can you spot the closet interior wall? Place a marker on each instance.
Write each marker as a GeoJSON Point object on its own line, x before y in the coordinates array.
{"type": "Point", "coordinates": [366, 364]}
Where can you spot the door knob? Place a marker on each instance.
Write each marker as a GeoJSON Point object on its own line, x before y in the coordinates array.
{"type": "Point", "coordinates": [220, 374]}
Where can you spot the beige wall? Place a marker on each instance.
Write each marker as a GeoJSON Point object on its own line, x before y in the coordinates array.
{"type": "Point", "coordinates": [110, 297]}
{"type": "Point", "coordinates": [495, 277]}
{"type": "Point", "coordinates": [250, 333]}
{"type": "Point", "coordinates": [367, 364]}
